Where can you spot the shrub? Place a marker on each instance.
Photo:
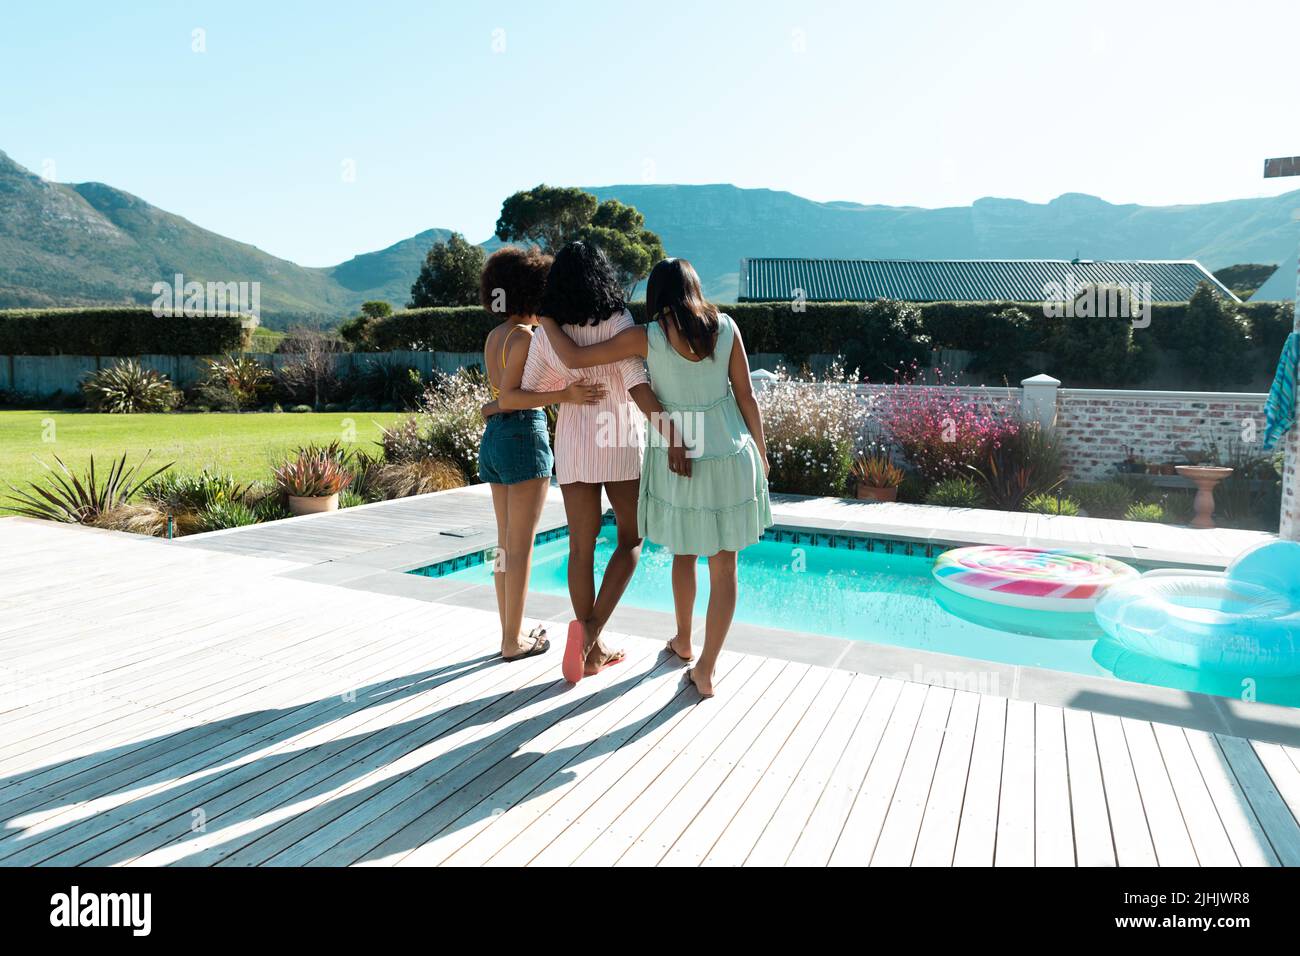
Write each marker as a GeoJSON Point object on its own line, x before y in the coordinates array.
{"type": "Point", "coordinates": [242, 376]}
{"type": "Point", "coordinates": [420, 476]}
{"type": "Point", "coordinates": [350, 499]}
{"type": "Point", "coordinates": [940, 430]}
{"type": "Point", "coordinates": [1044, 504]}
{"type": "Point", "coordinates": [270, 504]}
{"type": "Point", "coordinates": [126, 387]}
{"type": "Point", "coordinates": [956, 493]}
{"type": "Point", "coordinates": [175, 493]}
{"type": "Point", "coordinates": [225, 514]}
{"type": "Point", "coordinates": [1103, 499]}
{"type": "Point", "coordinates": [141, 518]}
{"type": "Point", "coordinates": [300, 408]}
{"type": "Point", "coordinates": [313, 473]}
{"type": "Point", "coordinates": [1019, 463]}
{"type": "Point", "coordinates": [115, 331]}
{"type": "Point", "coordinates": [1211, 340]}
{"type": "Point", "coordinates": [813, 428]}
{"type": "Point", "coordinates": [1144, 512]}
{"type": "Point", "coordinates": [448, 424]}
{"type": "Point", "coordinates": [877, 471]}
{"type": "Point", "coordinates": [82, 499]}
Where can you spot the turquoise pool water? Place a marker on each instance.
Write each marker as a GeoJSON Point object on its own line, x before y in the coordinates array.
{"type": "Point", "coordinates": [892, 599]}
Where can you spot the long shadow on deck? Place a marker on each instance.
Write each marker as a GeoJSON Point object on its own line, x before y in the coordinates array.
{"type": "Point", "coordinates": [206, 789]}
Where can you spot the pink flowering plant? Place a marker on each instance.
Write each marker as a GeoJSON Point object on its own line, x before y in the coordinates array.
{"type": "Point", "coordinates": [814, 428]}
{"type": "Point", "coordinates": [941, 431]}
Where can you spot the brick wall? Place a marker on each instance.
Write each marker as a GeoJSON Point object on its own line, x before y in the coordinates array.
{"type": "Point", "coordinates": [1097, 426]}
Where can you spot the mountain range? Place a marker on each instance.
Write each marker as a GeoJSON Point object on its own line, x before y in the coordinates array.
{"type": "Point", "coordinates": [67, 244]}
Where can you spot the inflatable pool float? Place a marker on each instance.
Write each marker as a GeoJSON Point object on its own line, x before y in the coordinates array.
{"type": "Point", "coordinates": [1044, 579]}
{"type": "Point", "coordinates": [1244, 621]}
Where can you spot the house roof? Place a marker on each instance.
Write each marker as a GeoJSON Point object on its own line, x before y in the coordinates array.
{"type": "Point", "coordinates": [961, 280]}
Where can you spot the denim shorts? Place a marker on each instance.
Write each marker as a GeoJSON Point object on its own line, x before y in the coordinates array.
{"type": "Point", "coordinates": [515, 448]}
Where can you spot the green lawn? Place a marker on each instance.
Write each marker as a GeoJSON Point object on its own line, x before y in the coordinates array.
{"type": "Point", "coordinates": [245, 445]}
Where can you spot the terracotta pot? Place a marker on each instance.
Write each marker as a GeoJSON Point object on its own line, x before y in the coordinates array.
{"type": "Point", "coordinates": [299, 505]}
{"type": "Point", "coordinates": [868, 493]}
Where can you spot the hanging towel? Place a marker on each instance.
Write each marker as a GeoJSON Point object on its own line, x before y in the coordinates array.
{"type": "Point", "coordinates": [1279, 410]}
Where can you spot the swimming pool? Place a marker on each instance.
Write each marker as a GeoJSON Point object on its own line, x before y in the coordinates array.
{"type": "Point", "coordinates": [882, 591]}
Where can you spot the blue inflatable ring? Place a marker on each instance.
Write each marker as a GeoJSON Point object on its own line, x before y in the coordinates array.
{"type": "Point", "coordinates": [1244, 621]}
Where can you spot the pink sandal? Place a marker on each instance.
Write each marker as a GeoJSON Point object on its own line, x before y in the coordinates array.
{"type": "Point", "coordinates": [574, 657]}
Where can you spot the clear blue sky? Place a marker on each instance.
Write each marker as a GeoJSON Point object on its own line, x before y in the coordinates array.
{"type": "Point", "coordinates": [926, 104]}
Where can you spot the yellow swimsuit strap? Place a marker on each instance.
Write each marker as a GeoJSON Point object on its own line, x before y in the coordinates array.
{"type": "Point", "coordinates": [505, 343]}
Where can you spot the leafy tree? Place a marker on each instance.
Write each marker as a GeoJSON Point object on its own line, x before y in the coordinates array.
{"type": "Point", "coordinates": [355, 331]}
{"type": "Point", "coordinates": [551, 216]}
{"type": "Point", "coordinates": [449, 275]}
{"type": "Point", "coordinates": [1211, 340]}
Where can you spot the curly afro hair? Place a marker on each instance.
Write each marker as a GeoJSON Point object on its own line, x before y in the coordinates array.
{"type": "Point", "coordinates": [582, 288]}
{"type": "Point", "coordinates": [513, 281]}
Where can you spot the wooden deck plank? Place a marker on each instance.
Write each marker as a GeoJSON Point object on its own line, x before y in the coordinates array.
{"type": "Point", "coordinates": [746, 827]}
{"type": "Point", "coordinates": [977, 830]}
{"type": "Point", "coordinates": [1169, 834]}
{"type": "Point", "coordinates": [1094, 845]}
{"type": "Point", "coordinates": [1249, 841]}
{"type": "Point", "coordinates": [822, 831]}
{"type": "Point", "coordinates": [786, 824]}
{"type": "Point", "coordinates": [1053, 824]}
{"type": "Point", "coordinates": [901, 827]}
{"type": "Point", "coordinates": [1128, 821]}
{"type": "Point", "coordinates": [1015, 841]}
{"type": "Point", "coordinates": [936, 844]}
{"type": "Point", "coordinates": [1209, 837]}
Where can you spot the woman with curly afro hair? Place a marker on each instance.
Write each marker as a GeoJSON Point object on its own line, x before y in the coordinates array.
{"type": "Point", "coordinates": [515, 452]}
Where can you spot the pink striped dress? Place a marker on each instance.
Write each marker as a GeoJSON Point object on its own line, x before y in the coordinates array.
{"type": "Point", "coordinates": [593, 443]}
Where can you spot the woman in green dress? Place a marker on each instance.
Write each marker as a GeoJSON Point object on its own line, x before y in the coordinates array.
{"type": "Point", "coordinates": [704, 480]}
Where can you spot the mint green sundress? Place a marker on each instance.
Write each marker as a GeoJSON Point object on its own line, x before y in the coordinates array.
{"type": "Point", "coordinates": [723, 505]}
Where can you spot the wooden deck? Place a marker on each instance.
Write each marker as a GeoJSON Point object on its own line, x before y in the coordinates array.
{"type": "Point", "coordinates": [175, 705]}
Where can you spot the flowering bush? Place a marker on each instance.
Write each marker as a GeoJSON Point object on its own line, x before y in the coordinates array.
{"type": "Point", "coordinates": [939, 430]}
{"type": "Point", "coordinates": [447, 424]}
{"type": "Point", "coordinates": [813, 430]}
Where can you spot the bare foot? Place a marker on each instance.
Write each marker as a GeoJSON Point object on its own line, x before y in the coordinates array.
{"type": "Point", "coordinates": [702, 684]}
{"type": "Point", "coordinates": [681, 646]}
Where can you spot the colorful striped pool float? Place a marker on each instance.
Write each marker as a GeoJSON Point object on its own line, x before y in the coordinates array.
{"type": "Point", "coordinates": [1047, 579]}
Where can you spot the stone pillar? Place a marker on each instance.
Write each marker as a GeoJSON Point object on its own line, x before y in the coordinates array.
{"type": "Point", "coordinates": [1289, 529]}
{"type": "Point", "coordinates": [1038, 400]}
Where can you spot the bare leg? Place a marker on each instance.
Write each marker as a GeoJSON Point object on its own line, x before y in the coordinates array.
{"type": "Point", "coordinates": [619, 570]}
{"type": "Point", "coordinates": [499, 499]}
{"type": "Point", "coordinates": [683, 601]}
{"type": "Point", "coordinates": [524, 505]}
{"type": "Point", "coordinates": [582, 507]}
{"type": "Point", "coordinates": [722, 606]}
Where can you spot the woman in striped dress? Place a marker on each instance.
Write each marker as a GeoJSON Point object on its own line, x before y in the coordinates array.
{"type": "Point", "coordinates": [597, 446]}
{"type": "Point", "coordinates": [710, 498]}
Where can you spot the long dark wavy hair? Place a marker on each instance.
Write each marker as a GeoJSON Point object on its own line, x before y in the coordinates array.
{"type": "Point", "coordinates": [673, 294]}
{"type": "Point", "coordinates": [581, 288]}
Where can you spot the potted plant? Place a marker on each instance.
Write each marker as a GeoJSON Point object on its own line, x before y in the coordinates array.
{"type": "Point", "coordinates": [312, 480]}
{"type": "Point", "coordinates": [877, 478]}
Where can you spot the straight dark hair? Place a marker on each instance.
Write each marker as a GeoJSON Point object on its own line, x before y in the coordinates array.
{"type": "Point", "coordinates": [673, 294]}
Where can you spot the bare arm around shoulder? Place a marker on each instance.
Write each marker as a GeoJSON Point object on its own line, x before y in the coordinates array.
{"type": "Point", "coordinates": [630, 343]}
{"type": "Point", "coordinates": [514, 398]}
{"type": "Point", "coordinates": [743, 388]}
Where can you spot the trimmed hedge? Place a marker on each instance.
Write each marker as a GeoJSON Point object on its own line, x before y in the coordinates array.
{"type": "Point", "coordinates": [879, 337]}
{"type": "Point", "coordinates": [120, 331]}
